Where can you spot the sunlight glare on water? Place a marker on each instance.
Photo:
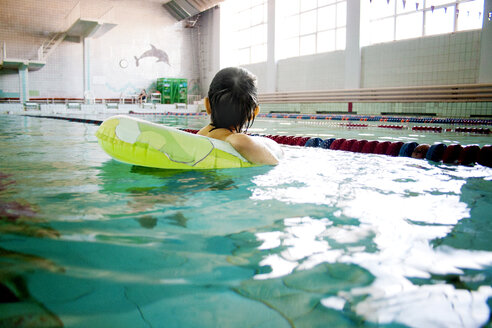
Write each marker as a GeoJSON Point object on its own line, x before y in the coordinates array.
{"type": "Point", "coordinates": [325, 237]}
{"type": "Point", "coordinates": [401, 205]}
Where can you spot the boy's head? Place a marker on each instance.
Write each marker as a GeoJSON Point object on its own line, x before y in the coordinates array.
{"type": "Point", "coordinates": [232, 101]}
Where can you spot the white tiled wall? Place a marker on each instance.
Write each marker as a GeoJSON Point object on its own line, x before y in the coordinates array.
{"type": "Point", "coordinates": [9, 84]}
{"type": "Point", "coordinates": [260, 70]}
{"type": "Point", "coordinates": [139, 24]}
{"type": "Point", "coordinates": [62, 76]}
{"type": "Point", "coordinates": [317, 72]}
{"type": "Point", "coordinates": [138, 28]}
{"type": "Point", "coordinates": [437, 60]}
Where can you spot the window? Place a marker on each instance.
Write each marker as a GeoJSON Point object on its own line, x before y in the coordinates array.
{"type": "Point", "coordinates": [470, 15]}
{"type": "Point", "coordinates": [243, 32]}
{"type": "Point", "coordinates": [389, 20]}
{"type": "Point", "coordinates": [308, 27]}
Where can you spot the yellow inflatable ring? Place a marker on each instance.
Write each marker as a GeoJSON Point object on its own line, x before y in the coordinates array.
{"type": "Point", "coordinates": [143, 143]}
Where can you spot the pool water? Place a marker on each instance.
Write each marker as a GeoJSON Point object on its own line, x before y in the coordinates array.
{"type": "Point", "coordinates": [344, 129]}
{"type": "Point", "coordinates": [324, 239]}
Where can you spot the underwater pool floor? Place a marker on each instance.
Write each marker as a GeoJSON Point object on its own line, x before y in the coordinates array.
{"type": "Point", "coordinates": [326, 238]}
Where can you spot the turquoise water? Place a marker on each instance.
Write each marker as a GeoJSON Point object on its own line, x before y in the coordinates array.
{"type": "Point", "coordinates": [326, 238]}
{"type": "Point", "coordinates": [344, 129]}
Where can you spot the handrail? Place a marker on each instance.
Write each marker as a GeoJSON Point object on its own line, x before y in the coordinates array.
{"type": "Point", "coordinates": [10, 100]}
{"type": "Point", "coordinates": [66, 100]}
{"type": "Point", "coordinates": [56, 38]}
{"type": "Point", "coordinates": [439, 93]}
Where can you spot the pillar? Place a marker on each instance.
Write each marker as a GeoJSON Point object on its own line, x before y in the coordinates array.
{"type": "Point", "coordinates": [271, 76]}
{"type": "Point", "coordinates": [23, 83]}
{"type": "Point", "coordinates": [215, 41]}
{"type": "Point", "coordinates": [352, 49]}
{"type": "Point", "coordinates": [87, 66]}
{"type": "Point", "coordinates": [210, 54]}
{"type": "Point", "coordinates": [485, 68]}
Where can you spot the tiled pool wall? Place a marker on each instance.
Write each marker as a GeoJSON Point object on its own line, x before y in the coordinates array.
{"type": "Point", "coordinates": [437, 109]}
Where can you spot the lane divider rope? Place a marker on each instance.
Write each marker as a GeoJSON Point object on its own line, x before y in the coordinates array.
{"type": "Point", "coordinates": [449, 154]}
{"type": "Point", "coordinates": [342, 117]}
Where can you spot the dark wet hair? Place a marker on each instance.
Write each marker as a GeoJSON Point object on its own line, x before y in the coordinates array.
{"type": "Point", "coordinates": [233, 98]}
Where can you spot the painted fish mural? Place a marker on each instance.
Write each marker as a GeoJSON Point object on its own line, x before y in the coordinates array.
{"type": "Point", "coordinates": [161, 55]}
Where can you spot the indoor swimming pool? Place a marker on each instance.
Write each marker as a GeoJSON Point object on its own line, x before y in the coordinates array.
{"type": "Point", "coordinates": [325, 239]}
{"type": "Point", "coordinates": [401, 130]}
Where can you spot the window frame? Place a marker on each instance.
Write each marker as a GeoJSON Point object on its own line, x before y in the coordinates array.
{"type": "Point", "coordinates": [303, 36]}
{"type": "Point", "coordinates": [424, 9]}
{"type": "Point", "coordinates": [248, 29]}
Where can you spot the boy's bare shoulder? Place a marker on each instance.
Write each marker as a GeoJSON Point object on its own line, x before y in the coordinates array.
{"type": "Point", "coordinates": [241, 141]}
{"type": "Point", "coordinates": [253, 151]}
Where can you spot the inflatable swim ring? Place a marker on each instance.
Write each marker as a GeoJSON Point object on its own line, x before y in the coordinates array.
{"type": "Point", "coordinates": [143, 143]}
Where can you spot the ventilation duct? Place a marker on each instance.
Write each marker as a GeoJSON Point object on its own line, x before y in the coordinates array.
{"type": "Point", "coordinates": [181, 9]}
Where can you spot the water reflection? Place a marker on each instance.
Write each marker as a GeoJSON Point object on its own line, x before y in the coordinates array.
{"type": "Point", "coordinates": [19, 307]}
{"type": "Point", "coordinates": [324, 238]}
{"type": "Point", "coordinates": [401, 206]}
{"type": "Point", "coordinates": [20, 218]}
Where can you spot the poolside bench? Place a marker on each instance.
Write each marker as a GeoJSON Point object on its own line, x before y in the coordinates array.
{"type": "Point", "coordinates": [31, 105]}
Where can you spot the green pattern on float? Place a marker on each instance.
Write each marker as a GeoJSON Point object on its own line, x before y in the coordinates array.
{"type": "Point", "coordinates": [143, 143]}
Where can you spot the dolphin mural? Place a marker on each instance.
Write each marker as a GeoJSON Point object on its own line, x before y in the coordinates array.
{"type": "Point", "coordinates": [161, 55]}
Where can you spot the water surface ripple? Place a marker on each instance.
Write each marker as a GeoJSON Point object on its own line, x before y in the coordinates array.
{"type": "Point", "coordinates": [324, 238]}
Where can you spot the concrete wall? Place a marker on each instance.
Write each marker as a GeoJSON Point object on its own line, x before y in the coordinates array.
{"type": "Point", "coordinates": [138, 25]}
